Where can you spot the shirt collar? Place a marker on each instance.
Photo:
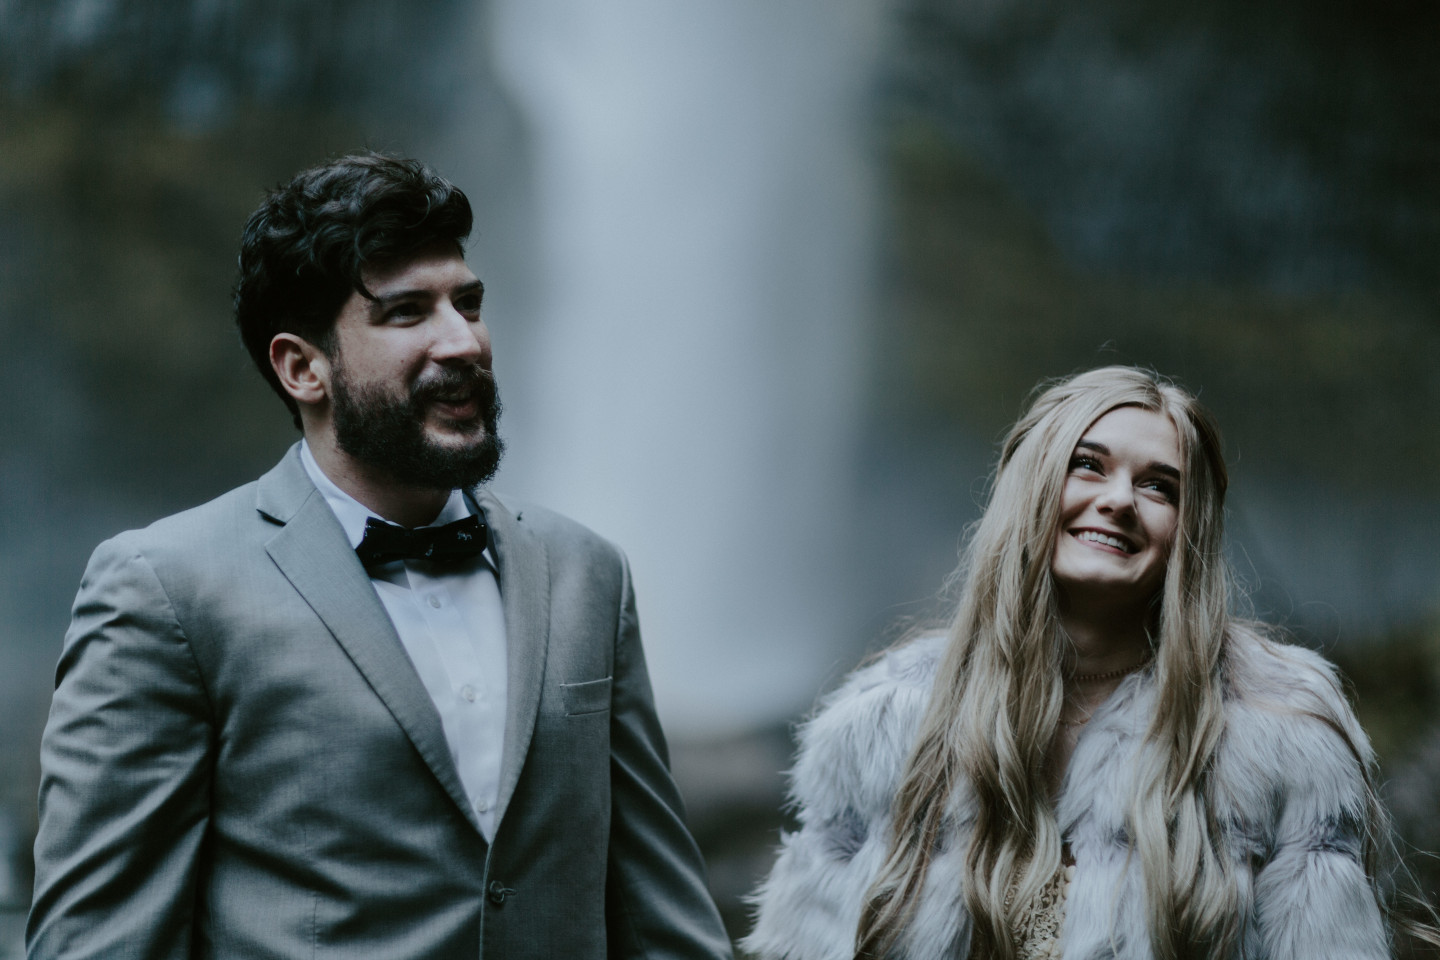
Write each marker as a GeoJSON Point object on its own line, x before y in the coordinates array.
{"type": "Point", "coordinates": [352, 514]}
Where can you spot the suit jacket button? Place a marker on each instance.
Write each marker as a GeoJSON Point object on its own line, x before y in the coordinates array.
{"type": "Point", "coordinates": [498, 892]}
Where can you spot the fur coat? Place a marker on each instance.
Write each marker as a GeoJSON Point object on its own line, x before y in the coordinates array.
{"type": "Point", "coordinates": [1291, 792]}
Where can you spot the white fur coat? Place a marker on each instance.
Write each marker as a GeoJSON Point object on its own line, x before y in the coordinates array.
{"type": "Point", "coordinates": [1291, 795]}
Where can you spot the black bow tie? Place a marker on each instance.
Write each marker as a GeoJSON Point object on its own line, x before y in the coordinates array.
{"type": "Point", "coordinates": [384, 542]}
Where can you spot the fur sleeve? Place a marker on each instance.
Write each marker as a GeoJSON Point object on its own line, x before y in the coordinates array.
{"type": "Point", "coordinates": [1312, 895]}
{"type": "Point", "coordinates": [850, 758]}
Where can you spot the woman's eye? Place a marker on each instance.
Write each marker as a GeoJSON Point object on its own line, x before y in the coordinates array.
{"type": "Point", "coordinates": [1082, 462]}
{"type": "Point", "coordinates": [1164, 488]}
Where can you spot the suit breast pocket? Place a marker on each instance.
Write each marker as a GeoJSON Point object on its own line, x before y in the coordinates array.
{"type": "Point", "coordinates": [581, 699]}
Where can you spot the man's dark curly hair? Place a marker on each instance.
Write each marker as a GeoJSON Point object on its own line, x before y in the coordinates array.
{"type": "Point", "coordinates": [303, 250]}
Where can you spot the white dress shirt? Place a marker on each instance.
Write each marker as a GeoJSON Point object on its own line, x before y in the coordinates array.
{"type": "Point", "coordinates": [452, 625]}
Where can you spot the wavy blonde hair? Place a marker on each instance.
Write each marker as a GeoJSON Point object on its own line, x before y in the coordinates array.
{"type": "Point", "coordinates": [999, 690]}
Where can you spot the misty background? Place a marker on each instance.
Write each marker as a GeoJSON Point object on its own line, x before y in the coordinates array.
{"type": "Point", "coordinates": [766, 282]}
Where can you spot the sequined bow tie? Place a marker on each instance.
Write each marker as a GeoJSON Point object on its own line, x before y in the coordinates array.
{"type": "Point", "coordinates": [384, 542]}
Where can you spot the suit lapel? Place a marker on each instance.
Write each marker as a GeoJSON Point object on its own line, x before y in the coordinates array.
{"type": "Point", "coordinates": [313, 553]}
{"type": "Point", "coordinates": [525, 590]}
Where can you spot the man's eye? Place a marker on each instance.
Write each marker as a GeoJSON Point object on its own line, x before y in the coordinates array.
{"type": "Point", "coordinates": [405, 311]}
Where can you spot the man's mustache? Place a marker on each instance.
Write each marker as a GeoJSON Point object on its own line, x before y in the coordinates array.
{"type": "Point", "coordinates": [450, 382]}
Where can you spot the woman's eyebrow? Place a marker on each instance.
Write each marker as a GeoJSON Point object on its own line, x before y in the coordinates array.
{"type": "Point", "coordinates": [1159, 466]}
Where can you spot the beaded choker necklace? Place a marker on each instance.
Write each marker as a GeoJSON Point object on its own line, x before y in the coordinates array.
{"type": "Point", "coordinates": [1110, 674]}
{"type": "Point", "coordinates": [1095, 677]}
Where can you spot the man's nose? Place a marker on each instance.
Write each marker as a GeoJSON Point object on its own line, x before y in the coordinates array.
{"type": "Point", "coordinates": [459, 339]}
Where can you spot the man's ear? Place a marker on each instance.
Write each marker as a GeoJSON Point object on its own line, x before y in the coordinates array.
{"type": "Point", "coordinates": [302, 367]}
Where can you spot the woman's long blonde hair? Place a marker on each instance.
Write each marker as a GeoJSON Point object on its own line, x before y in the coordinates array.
{"type": "Point", "coordinates": [998, 695]}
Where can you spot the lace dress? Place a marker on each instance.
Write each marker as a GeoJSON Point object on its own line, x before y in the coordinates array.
{"type": "Point", "coordinates": [1037, 932]}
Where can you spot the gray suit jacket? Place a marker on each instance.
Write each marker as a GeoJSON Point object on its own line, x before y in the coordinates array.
{"type": "Point", "coordinates": [241, 762]}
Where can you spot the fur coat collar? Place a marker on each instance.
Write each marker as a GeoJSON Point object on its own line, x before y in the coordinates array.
{"type": "Point", "coordinates": [1292, 794]}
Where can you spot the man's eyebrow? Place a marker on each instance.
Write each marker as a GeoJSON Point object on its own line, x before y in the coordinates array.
{"type": "Point", "coordinates": [381, 301]}
{"type": "Point", "coordinates": [384, 300]}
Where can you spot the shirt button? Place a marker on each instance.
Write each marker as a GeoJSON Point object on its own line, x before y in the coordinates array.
{"type": "Point", "coordinates": [435, 602]}
{"type": "Point", "coordinates": [483, 806]}
{"type": "Point", "coordinates": [468, 692]}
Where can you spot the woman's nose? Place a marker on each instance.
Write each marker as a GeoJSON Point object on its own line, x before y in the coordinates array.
{"type": "Point", "coordinates": [1118, 495]}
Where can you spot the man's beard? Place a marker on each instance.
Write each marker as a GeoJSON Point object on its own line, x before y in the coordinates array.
{"type": "Point", "coordinates": [387, 432]}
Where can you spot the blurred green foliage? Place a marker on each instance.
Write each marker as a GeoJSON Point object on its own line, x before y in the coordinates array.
{"type": "Point", "coordinates": [1395, 686]}
{"type": "Point", "coordinates": [131, 227]}
{"type": "Point", "coordinates": [984, 306]}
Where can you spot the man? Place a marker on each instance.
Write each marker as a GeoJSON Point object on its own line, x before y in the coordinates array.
{"type": "Point", "coordinates": [362, 708]}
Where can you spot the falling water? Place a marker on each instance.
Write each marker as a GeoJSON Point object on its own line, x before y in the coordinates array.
{"type": "Point", "coordinates": [688, 376]}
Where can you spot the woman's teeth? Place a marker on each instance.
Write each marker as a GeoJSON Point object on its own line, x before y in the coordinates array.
{"type": "Point", "coordinates": [1109, 541]}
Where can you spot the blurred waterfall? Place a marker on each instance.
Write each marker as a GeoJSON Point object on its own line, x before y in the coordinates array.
{"type": "Point", "coordinates": [688, 377]}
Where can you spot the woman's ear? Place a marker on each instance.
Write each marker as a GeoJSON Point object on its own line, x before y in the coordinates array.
{"type": "Point", "coordinates": [302, 368]}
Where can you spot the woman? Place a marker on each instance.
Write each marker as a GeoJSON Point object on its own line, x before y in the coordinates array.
{"type": "Point", "coordinates": [1097, 759]}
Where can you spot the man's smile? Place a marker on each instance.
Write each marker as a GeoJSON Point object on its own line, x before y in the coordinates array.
{"type": "Point", "coordinates": [456, 395]}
